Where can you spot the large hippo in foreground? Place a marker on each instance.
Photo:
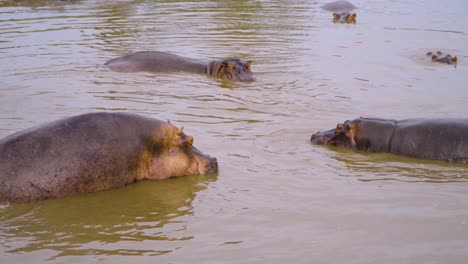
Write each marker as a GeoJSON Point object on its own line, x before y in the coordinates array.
{"type": "Point", "coordinates": [434, 139]}
{"type": "Point", "coordinates": [155, 61]}
{"type": "Point", "coordinates": [94, 152]}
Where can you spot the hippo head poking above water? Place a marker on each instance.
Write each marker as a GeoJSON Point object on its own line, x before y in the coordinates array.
{"type": "Point", "coordinates": [232, 69]}
{"type": "Point", "coordinates": [439, 56]}
{"type": "Point", "coordinates": [172, 154]}
{"type": "Point", "coordinates": [341, 11]}
{"type": "Point", "coordinates": [345, 17]}
{"type": "Point", "coordinates": [444, 139]}
{"type": "Point", "coordinates": [342, 136]}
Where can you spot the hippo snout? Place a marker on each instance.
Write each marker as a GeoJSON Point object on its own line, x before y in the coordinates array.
{"type": "Point", "coordinates": [317, 138]}
{"type": "Point", "coordinates": [246, 77]}
{"type": "Point", "coordinates": [212, 166]}
{"type": "Point", "coordinates": [323, 138]}
{"type": "Point", "coordinates": [205, 163]}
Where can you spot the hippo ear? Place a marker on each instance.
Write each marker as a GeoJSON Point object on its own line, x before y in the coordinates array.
{"type": "Point", "coordinates": [189, 140]}
{"type": "Point", "coordinates": [339, 128]}
{"type": "Point", "coordinates": [249, 63]}
{"type": "Point", "coordinates": [180, 131]}
{"type": "Point", "coordinates": [351, 18]}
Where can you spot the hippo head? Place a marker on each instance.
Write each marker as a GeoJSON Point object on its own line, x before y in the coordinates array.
{"type": "Point", "coordinates": [233, 69]}
{"type": "Point", "coordinates": [172, 154]}
{"type": "Point", "coordinates": [345, 17]}
{"type": "Point", "coordinates": [442, 58]}
{"type": "Point", "coordinates": [344, 135]}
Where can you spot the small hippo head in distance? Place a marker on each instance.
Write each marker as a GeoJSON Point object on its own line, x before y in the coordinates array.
{"type": "Point", "coordinates": [345, 17]}
{"type": "Point", "coordinates": [441, 57]}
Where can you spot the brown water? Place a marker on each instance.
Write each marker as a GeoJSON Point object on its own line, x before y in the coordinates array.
{"type": "Point", "coordinates": [277, 198]}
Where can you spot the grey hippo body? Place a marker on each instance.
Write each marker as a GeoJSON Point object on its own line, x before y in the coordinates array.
{"type": "Point", "coordinates": [94, 152]}
{"type": "Point", "coordinates": [155, 61]}
{"type": "Point", "coordinates": [433, 139]}
{"type": "Point", "coordinates": [341, 11]}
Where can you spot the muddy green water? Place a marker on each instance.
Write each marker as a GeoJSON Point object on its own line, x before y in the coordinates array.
{"type": "Point", "coordinates": [277, 198]}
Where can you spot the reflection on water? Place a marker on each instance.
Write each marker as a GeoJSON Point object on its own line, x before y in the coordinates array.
{"type": "Point", "coordinates": [114, 222]}
{"type": "Point", "coordinates": [384, 167]}
{"type": "Point", "coordinates": [275, 192]}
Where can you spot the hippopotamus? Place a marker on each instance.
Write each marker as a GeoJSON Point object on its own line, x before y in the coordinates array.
{"type": "Point", "coordinates": [439, 56]}
{"type": "Point", "coordinates": [155, 61]}
{"type": "Point", "coordinates": [341, 11]}
{"type": "Point", "coordinates": [94, 152]}
{"type": "Point", "coordinates": [432, 139]}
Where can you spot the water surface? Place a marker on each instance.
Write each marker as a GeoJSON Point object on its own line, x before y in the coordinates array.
{"type": "Point", "coordinates": [276, 198]}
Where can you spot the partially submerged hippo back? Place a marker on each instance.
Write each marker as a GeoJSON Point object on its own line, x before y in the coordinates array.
{"type": "Point", "coordinates": [435, 139]}
{"type": "Point", "coordinates": [442, 58]}
{"type": "Point", "coordinates": [341, 11]}
{"type": "Point", "coordinates": [94, 152]}
{"type": "Point", "coordinates": [155, 61]}
{"type": "Point", "coordinates": [339, 6]}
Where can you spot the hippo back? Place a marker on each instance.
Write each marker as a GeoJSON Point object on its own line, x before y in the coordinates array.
{"type": "Point", "coordinates": [155, 61]}
{"type": "Point", "coordinates": [374, 134]}
{"type": "Point", "coordinates": [339, 6]}
{"type": "Point", "coordinates": [87, 152]}
{"type": "Point", "coordinates": [436, 139]}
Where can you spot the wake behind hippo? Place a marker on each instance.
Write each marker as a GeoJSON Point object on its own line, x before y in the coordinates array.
{"type": "Point", "coordinates": [433, 139]}
{"type": "Point", "coordinates": [95, 152]}
{"type": "Point", "coordinates": [155, 61]}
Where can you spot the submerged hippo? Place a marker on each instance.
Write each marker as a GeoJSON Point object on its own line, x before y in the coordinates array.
{"type": "Point", "coordinates": [341, 11]}
{"type": "Point", "coordinates": [439, 56]}
{"type": "Point", "coordinates": [155, 61]}
{"type": "Point", "coordinates": [94, 152]}
{"type": "Point", "coordinates": [435, 139]}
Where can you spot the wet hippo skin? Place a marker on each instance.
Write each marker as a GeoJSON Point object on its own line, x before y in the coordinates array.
{"type": "Point", "coordinates": [434, 139]}
{"type": "Point", "coordinates": [94, 152]}
{"type": "Point", "coordinates": [155, 61]}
